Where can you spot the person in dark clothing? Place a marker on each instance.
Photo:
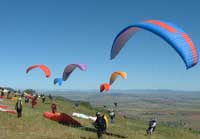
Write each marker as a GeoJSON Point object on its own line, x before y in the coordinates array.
{"type": "Point", "coordinates": [2, 94]}
{"type": "Point", "coordinates": [50, 97]}
{"type": "Point", "coordinates": [99, 125]}
{"type": "Point", "coordinates": [115, 103]}
{"type": "Point", "coordinates": [18, 108]}
{"type": "Point", "coordinates": [22, 95]}
{"type": "Point", "coordinates": [43, 98]}
{"type": "Point", "coordinates": [76, 104]}
{"type": "Point", "coordinates": [26, 99]}
{"type": "Point", "coordinates": [152, 126]}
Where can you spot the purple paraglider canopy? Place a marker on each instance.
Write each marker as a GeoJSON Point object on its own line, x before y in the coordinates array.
{"type": "Point", "coordinates": [70, 68]}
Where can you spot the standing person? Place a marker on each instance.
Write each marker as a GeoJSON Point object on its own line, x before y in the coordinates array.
{"type": "Point", "coordinates": [152, 126]}
{"type": "Point", "coordinates": [43, 98]}
{"type": "Point", "coordinates": [115, 103]}
{"type": "Point", "coordinates": [2, 94]}
{"type": "Point", "coordinates": [26, 99]}
{"type": "Point", "coordinates": [99, 125]}
{"type": "Point", "coordinates": [112, 116]}
{"type": "Point", "coordinates": [50, 97]}
{"type": "Point", "coordinates": [8, 95]}
{"type": "Point", "coordinates": [53, 107]}
{"type": "Point", "coordinates": [34, 101]}
{"type": "Point", "coordinates": [18, 108]}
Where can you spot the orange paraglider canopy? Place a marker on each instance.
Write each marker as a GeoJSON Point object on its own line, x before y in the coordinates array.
{"type": "Point", "coordinates": [104, 87]}
{"type": "Point", "coordinates": [44, 68]}
{"type": "Point", "coordinates": [116, 74]}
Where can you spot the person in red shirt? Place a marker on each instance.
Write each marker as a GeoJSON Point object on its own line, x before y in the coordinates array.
{"type": "Point", "coordinates": [34, 101]}
{"type": "Point", "coordinates": [53, 107]}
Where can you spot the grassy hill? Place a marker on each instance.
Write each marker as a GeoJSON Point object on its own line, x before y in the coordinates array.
{"type": "Point", "coordinates": [34, 126]}
{"type": "Point", "coordinates": [173, 108]}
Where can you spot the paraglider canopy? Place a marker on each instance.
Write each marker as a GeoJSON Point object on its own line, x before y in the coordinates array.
{"type": "Point", "coordinates": [169, 32]}
{"type": "Point", "coordinates": [58, 81]}
{"type": "Point", "coordinates": [44, 68]}
{"type": "Point", "coordinates": [70, 68]}
{"type": "Point", "coordinates": [116, 74]}
{"type": "Point", "coordinates": [104, 87]}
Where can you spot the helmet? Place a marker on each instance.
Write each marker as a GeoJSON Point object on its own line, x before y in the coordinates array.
{"type": "Point", "coordinates": [19, 98]}
{"type": "Point", "coordinates": [98, 114]}
{"type": "Point", "coordinates": [154, 119]}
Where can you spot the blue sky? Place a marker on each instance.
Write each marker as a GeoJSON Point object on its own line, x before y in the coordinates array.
{"type": "Point", "coordinates": [57, 33]}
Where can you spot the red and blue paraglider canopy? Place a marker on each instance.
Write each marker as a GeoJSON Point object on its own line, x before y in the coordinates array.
{"type": "Point", "coordinates": [171, 33]}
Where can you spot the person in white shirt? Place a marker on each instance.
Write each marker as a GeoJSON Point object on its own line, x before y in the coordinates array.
{"type": "Point", "coordinates": [112, 116]}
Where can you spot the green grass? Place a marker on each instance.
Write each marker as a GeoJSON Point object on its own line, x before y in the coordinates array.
{"type": "Point", "coordinates": [34, 126]}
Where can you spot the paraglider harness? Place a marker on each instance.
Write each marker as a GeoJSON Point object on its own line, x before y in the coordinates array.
{"type": "Point", "coordinates": [152, 127]}
{"type": "Point", "coordinates": [100, 125]}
